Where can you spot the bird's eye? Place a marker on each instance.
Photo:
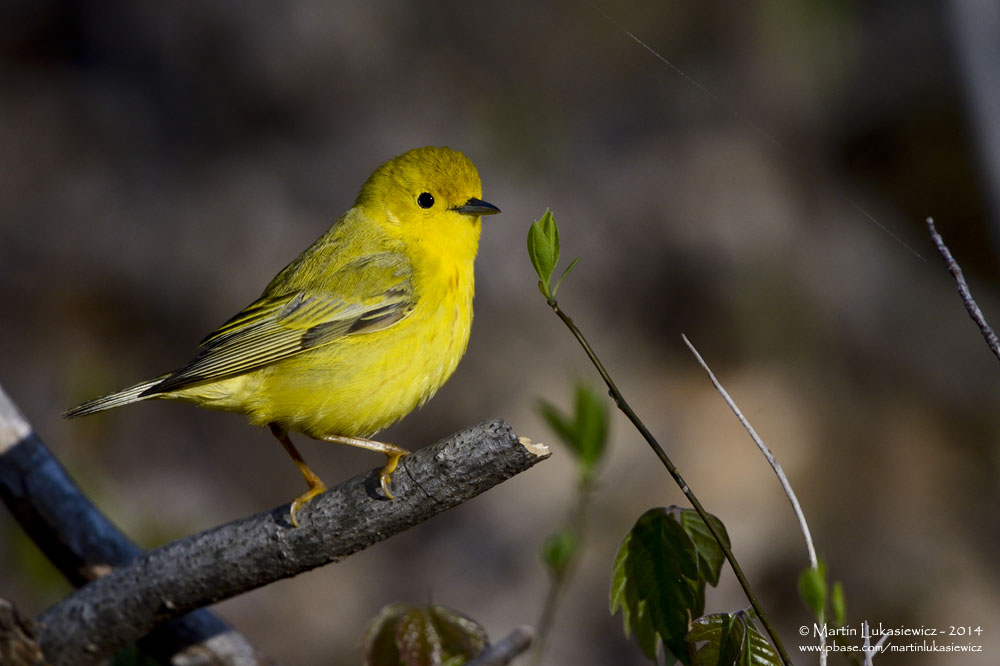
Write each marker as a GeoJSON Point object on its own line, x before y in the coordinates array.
{"type": "Point", "coordinates": [425, 200]}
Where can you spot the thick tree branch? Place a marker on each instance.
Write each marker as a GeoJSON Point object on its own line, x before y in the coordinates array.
{"type": "Point", "coordinates": [245, 554]}
{"type": "Point", "coordinates": [84, 545]}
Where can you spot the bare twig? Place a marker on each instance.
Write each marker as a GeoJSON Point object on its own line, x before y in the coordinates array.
{"type": "Point", "coordinates": [963, 290]}
{"type": "Point", "coordinates": [871, 650]}
{"type": "Point", "coordinates": [506, 649]}
{"type": "Point", "coordinates": [248, 553]}
{"type": "Point", "coordinates": [786, 486]}
{"type": "Point", "coordinates": [796, 507]}
{"type": "Point", "coordinates": [84, 545]}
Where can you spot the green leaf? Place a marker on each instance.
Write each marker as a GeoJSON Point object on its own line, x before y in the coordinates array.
{"type": "Point", "coordinates": [711, 557]}
{"type": "Point", "coordinates": [585, 432]}
{"type": "Point", "coordinates": [730, 639]}
{"type": "Point", "coordinates": [402, 635]}
{"type": "Point", "coordinates": [734, 648]}
{"type": "Point", "coordinates": [558, 552]}
{"type": "Point", "coordinates": [543, 250]}
{"type": "Point", "coordinates": [655, 583]}
{"type": "Point", "coordinates": [812, 589]}
{"type": "Point", "coordinates": [563, 424]}
{"type": "Point", "coordinates": [838, 604]}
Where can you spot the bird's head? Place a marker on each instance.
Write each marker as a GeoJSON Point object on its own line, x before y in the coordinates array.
{"type": "Point", "coordinates": [428, 195]}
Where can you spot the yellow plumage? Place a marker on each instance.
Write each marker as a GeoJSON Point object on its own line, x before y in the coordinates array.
{"type": "Point", "coordinates": [359, 329]}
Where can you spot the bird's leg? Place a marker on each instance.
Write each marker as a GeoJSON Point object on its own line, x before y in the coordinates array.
{"type": "Point", "coordinates": [392, 452]}
{"type": "Point", "coordinates": [316, 485]}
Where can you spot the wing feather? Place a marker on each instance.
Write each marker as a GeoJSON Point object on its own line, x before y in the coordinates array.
{"type": "Point", "coordinates": [366, 295]}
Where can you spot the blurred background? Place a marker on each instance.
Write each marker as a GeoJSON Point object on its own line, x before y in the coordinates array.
{"type": "Point", "coordinates": [160, 162]}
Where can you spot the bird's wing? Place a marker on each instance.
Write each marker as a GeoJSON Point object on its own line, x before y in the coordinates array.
{"type": "Point", "coordinates": [365, 295]}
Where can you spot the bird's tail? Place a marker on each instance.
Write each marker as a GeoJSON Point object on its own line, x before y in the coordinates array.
{"type": "Point", "coordinates": [123, 397]}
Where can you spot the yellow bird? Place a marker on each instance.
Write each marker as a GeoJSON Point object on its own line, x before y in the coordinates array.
{"type": "Point", "coordinates": [357, 331]}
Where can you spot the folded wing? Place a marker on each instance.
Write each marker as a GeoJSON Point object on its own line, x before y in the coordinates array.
{"type": "Point", "coordinates": [366, 295]}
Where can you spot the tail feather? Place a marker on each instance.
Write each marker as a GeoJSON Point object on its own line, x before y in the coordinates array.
{"type": "Point", "coordinates": [123, 397]}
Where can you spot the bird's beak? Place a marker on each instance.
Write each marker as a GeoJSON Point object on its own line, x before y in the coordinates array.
{"type": "Point", "coordinates": [476, 207]}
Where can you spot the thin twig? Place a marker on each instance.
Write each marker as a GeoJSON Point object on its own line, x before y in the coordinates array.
{"type": "Point", "coordinates": [786, 486]}
{"type": "Point", "coordinates": [963, 289]}
{"type": "Point", "coordinates": [579, 520]}
{"type": "Point", "coordinates": [868, 649]}
{"type": "Point", "coordinates": [673, 471]}
{"type": "Point", "coordinates": [547, 618]}
{"type": "Point", "coordinates": [506, 649]}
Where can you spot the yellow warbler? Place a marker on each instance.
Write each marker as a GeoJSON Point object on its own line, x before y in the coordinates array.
{"type": "Point", "coordinates": [359, 329]}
